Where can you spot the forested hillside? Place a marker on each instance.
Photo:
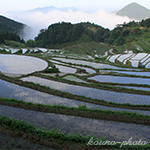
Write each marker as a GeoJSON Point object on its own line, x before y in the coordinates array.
{"type": "Point", "coordinates": [10, 36]}
{"type": "Point", "coordinates": [10, 30]}
{"type": "Point", "coordinates": [61, 33]}
{"type": "Point", "coordinates": [8, 25]}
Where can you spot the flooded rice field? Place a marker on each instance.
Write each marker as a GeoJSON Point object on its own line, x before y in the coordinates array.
{"type": "Point", "coordinates": [112, 130]}
{"type": "Point", "coordinates": [18, 64]}
{"type": "Point", "coordinates": [106, 95]}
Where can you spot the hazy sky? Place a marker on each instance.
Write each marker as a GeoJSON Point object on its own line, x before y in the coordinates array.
{"type": "Point", "coordinates": [109, 5]}
{"type": "Point", "coordinates": [101, 12]}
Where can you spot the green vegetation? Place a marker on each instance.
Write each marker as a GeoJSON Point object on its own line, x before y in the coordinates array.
{"type": "Point", "coordinates": [69, 141]}
{"type": "Point", "coordinates": [87, 48]}
{"type": "Point", "coordinates": [9, 36]}
{"type": "Point", "coordinates": [14, 44]}
{"type": "Point", "coordinates": [85, 38]}
{"type": "Point", "coordinates": [30, 43]}
{"type": "Point", "coordinates": [8, 25]}
{"type": "Point", "coordinates": [61, 33]}
{"type": "Point", "coordinates": [81, 111]}
{"type": "Point", "coordinates": [52, 70]}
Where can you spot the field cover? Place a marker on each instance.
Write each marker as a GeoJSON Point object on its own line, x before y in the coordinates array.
{"type": "Point", "coordinates": [113, 58]}
{"type": "Point", "coordinates": [145, 58]}
{"type": "Point", "coordinates": [134, 63]}
{"type": "Point", "coordinates": [121, 58]}
{"type": "Point", "coordinates": [139, 56]}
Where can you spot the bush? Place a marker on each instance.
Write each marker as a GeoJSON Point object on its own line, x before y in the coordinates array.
{"type": "Point", "coordinates": [52, 70]}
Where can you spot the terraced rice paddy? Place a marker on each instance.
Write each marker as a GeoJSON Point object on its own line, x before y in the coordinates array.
{"type": "Point", "coordinates": [109, 96]}
{"type": "Point", "coordinates": [9, 90]}
{"type": "Point", "coordinates": [136, 88]}
{"type": "Point", "coordinates": [20, 64]}
{"type": "Point", "coordinates": [89, 70]}
{"type": "Point", "coordinates": [134, 59]}
{"type": "Point", "coordinates": [8, 142]}
{"type": "Point", "coordinates": [66, 69]}
{"type": "Point", "coordinates": [117, 79]}
{"type": "Point", "coordinates": [70, 124]}
{"type": "Point", "coordinates": [74, 78]}
{"type": "Point", "coordinates": [92, 64]}
{"type": "Point", "coordinates": [147, 74]}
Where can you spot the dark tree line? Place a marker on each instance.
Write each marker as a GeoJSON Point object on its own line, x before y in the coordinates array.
{"type": "Point", "coordinates": [60, 33]}
{"type": "Point", "coordinates": [10, 36]}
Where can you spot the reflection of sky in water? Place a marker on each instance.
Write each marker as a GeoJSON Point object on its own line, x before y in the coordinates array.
{"type": "Point", "coordinates": [92, 92]}
{"type": "Point", "coordinates": [9, 90]}
{"type": "Point", "coordinates": [117, 79]}
{"type": "Point", "coordinates": [65, 69]}
{"type": "Point", "coordinates": [89, 70]}
{"type": "Point", "coordinates": [131, 73]}
{"type": "Point", "coordinates": [136, 88]}
{"type": "Point", "coordinates": [95, 65]}
{"type": "Point", "coordinates": [20, 64]}
{"type": "Point", "coordinates": [72, 124]}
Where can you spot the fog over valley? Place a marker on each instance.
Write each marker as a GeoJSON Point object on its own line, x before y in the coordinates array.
{"type": "Point", "coordinates": [39, 19]}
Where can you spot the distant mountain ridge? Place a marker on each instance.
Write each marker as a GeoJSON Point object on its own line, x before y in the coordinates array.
{"type": "Point", "coordinates": [52, 8]}
{"type": "Point", "coordinates": [134, 11]}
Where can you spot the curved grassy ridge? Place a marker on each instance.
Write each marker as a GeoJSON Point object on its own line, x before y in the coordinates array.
{"type": "Point", "coordinates": [64, 140]}
{"type": "Point", "coordinates": [82, 111]}
{"type": "Point", "coordinates": [72, 96]}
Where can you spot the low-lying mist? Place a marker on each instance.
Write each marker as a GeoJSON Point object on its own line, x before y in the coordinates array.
{"type": "Point", "coordinates": [38, 20]}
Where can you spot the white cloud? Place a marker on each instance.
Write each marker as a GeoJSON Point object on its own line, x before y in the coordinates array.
{"type": "Point", "coordinates": [38, 20]}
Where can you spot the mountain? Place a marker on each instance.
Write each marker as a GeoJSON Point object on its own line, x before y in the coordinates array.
{"type": "Point", "coordinates": [9, 25]}
{"type": "Point", "coordinates": [134, 11]}
{"type": "Point", "coordinates": [60, 33]}
{"type": "Point", "coordinates": [52, 8]}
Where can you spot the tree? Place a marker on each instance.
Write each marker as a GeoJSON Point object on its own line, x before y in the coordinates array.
{"type": "Point", "coordinates": [31, 43]}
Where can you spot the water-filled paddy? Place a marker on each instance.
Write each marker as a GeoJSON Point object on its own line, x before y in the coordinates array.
{"type": "Point", "coordinates": [92, 64]}
{"type": "Point", "coordinates": [74, 78]}
{"type": "Point", "coordinates": [147, 74]}
{"type": "Point", "coordinates": [9, 90]}
{"type": "Point", "coordinates": [118, 79]}
{"type": "Point", "coordinates": [19, 64]}
{"type": "Point", "coordinates": [65, 69]}
{"type": "Point", "coordinates": [136, 88]}
{"type": "Point", "coordinates": [89, 70]}
{"type": "Point", "coordinates": [70, 124]}
{"type": "Point", "coordinates": [92, 92]}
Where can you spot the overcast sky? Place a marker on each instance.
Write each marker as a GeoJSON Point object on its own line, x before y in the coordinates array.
{"type": "Point", "coordinates": [108, 5]}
